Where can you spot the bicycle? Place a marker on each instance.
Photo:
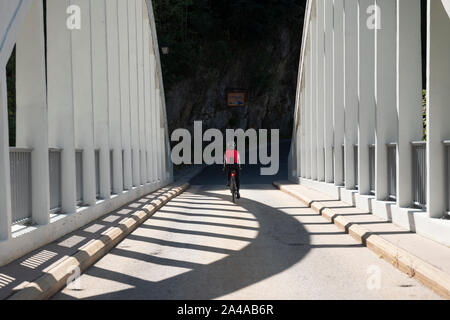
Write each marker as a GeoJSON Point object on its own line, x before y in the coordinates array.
{"type": "Point", "coordinates": [233, 188]}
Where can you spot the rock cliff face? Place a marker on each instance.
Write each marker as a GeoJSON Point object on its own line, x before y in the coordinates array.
{"type": "Point", "coordinates": [268, 70]}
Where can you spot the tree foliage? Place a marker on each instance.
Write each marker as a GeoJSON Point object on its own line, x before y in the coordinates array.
{"type": "Point", "coordinates": [11, 87]}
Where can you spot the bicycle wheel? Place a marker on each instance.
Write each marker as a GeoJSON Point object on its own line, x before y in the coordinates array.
{"type": "Point", "coordinates": [233, 189]}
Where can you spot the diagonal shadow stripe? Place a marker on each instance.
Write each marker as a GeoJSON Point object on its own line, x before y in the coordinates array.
{"type": "Point", "coordinates": [205, 209]}
{"type": "Point", "coordinates": [153, 259]}
{"type": "Point", "coordinates": [215, 224]}
{"type": "Point", "coordinates": [264, 257]}
{"type": "Point", "coordinates": [207, 215]}
{"type": "Point", "coordinates": [181, 245]}
{"type": "Point", "coordinates": [196, 233]}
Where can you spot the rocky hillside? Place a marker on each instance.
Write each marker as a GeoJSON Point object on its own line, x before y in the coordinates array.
{"type": "Point", "coordinates": [265, 65]}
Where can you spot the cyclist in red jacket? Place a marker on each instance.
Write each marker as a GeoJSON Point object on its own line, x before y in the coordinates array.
{"type": "Point", "coordinates": [233, 161]}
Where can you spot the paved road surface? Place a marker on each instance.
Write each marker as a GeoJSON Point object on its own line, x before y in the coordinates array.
{"type": "Point", "coordinates": [268, 246]}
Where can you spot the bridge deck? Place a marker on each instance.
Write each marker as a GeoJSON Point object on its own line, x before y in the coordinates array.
{"type": "Point", "coordinates": [268, 246]}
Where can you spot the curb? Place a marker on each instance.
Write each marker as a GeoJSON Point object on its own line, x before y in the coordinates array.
{"type": "Point", "coordinates": [55, 279]}
{"type": "Point", "coordinates": [432, 277]}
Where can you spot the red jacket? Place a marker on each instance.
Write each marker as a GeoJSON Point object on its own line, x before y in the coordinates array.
{"type": "Point", "coordinates": [232, 157]}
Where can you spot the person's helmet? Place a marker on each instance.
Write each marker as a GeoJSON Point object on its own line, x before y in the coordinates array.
{"type": "Point", "coordinates": [231, 145]}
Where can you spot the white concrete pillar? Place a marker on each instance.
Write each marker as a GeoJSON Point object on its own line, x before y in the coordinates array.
{"type": "Point", "coordinates": [83, 100]}
{"type": "Point", "coordinates": [307, 115]}
{"type": "Point", "coordinates": [438, 110]}
{"type": "Point", "coordinates": [303, 118]}
{"type": "Point", "coordinates": [60, 98]}
{"type": "Point", "coordinates": [385, 93]}
{"type": "Point", "coordinates": [299, 135]}
{"type": "Point", "coordinates": [164, 151]}
{"type": "Point", "coordinates": [154, 117]}
{"type": "Point", "coordinates": [125, 93]}
{"type": "Point", "coordinates": [314, 90]}
{"type": "Point", "coordinates": [100, 93]}
{"type": "Point", "coordinates": [366, 93]}
{"type": "Point", "coordinates": [114, 93]}
{"type": "Point", "coordinates": [338, 91]}
{"type": "Point", "coordinates": [296, 146]}
{"type": "Point", "coordinates": [5, 186]}
{"type": "Point", "coordinates": [148, 92]}
{"type": "Point", "coordinates": [134, 92]}
{"type": "Point", "coordinates": [350, 90]}
{"type": "Point", "coordinates": [141, 98]}
{"type": "Point", "coordinates": [159, 131]}
{"type": "Point", "coordinates": [320, 88]}
{"type": "Point", "coordinates": [409, 94]}
{"type": "Point", "coordinates": [328, 124]}
{"type": "Point", "coordinates": [31, 112]}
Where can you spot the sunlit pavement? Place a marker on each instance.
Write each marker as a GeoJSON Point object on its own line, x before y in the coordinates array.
{"type": "Point", "coordinates": [267, 246]}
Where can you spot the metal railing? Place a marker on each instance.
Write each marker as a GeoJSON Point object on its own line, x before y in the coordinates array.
{"type": "Point", "coordinates": [20, 174]}
{"type": "Point", "coordinates": [79, 174]}
{"type": "Point", "coordinates": [97, 173]}
{"type": "Point", "coordinates": [355, 165]}
{"type": "Point", "coordinates": [392, 170]}
{"type": "Point", "coordinates": [111, 169]}
{"type": "Point", "coordinates": [343, 164]}
{"type": "Point", "coordinates": [419, 173]}
{"type": "Point", "coordinates": [323, 163]}
{"type": "Point", "coordinates": [332, 163]}
{"type": "Point", "coordinates": [123, 170]}
{"type": "Point", "coordinates": [372, 168]}
{"type": "Point", "coordinates": [447, 169]}
{"type": "Point", "coordinates": [54, 163]}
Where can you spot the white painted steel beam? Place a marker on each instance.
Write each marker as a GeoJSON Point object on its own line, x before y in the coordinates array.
{"type": "Point", "coordinates": [60, 90]}
{"type": "Point", "coordinates": [100, 94]}
{"type": "Point", "coordinates": [386, 122]}
{"type": "Point", "coordinates": [409, 94]}
{"type": "Point", "coordinates": [114, 94]}
{"type": "Point", "coordinates": [31, 108]}
{"type": "Point", "coordinates": [438, 110]}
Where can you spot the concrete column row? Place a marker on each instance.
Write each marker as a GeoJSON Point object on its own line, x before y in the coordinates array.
{"type": "Point", "coordinates": [99, 94]}
{"type": "Point", "coordinates": [12, 16]}
{"type": "Point", "coordinates": [361, 89]}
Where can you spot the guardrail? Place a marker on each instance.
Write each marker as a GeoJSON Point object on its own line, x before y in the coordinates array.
{"type": "Point", "coordinates": [79, 174]}
{"type": "Point", "coordinates": [332, 162]}
{"type": "Point", "coordinates": [372, 168]}
{"type": "Point", "coordinates": [343, 164]}
{"type": "Point", "coordinates": [355, 166]}
{"type": "Point", "coordinates": [419, 173]}
{"type": "Point", "coordinates": [392, 170]}
{"type": "Point", "coordinates": [20, 174]}
{"type": "Point", "coordinates": [97, 173]}
{"type": "Point", "coordinates": [123, 169]}
{"type": "Point", "coordinates": [447, 169]}
{"type": "Point", "coordinates": [111, 169]}
{"type": "Point", "coordinates": [323, 162]}
{"type": "Point", "coordinates": [54, 163]}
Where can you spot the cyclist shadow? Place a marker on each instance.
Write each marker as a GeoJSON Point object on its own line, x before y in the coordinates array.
{"type": "Point", "coordinates": [281, 242]}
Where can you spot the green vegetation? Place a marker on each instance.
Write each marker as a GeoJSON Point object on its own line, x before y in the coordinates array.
{"type": "Point", "coordinates": [424, 114]}
{"type": "Point", "coordinates": [11, 85]}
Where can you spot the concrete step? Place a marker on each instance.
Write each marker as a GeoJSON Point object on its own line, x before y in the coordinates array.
{"type": "Point", "coordinates": [419, 257]}
{"type": "Point", "coordinates": [43, 272]}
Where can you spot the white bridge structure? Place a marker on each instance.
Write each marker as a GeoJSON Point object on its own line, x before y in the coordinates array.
{"type": "Point", "coordinates": [358, 132]}
{"type": "Point", "coordinates": [91, 127]}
